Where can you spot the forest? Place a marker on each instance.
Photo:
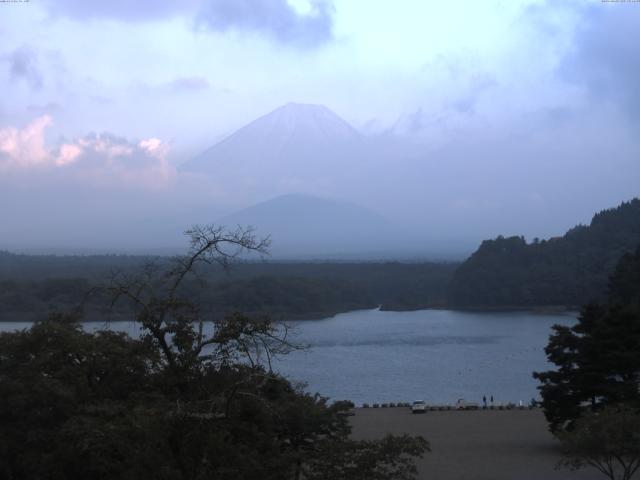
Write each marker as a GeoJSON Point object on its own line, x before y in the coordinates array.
{"type": "Point", "coordinates": [31, 286]}
{"type": "Point", "coordinates": [506, 272]}
{"type": "Point", "coordinates": [568, 271]}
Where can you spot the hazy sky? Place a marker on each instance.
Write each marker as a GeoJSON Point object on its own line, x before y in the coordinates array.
{"type": "Point", "coordinates": [102, 99]}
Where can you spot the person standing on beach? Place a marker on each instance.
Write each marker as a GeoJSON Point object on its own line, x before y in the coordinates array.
{"type": "Point", "coordinates": [491, 399]}
{"type": "Point", "coordinates": [484, 401]}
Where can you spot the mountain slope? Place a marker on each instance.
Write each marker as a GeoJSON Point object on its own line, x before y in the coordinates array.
{"type": "Point", "coordinates": [290, 136]}
{"type": "Point", "coordinates": [570, 270]}
{"type": "Point", "coordinates": [304, 224]}
{"type": "Point", "coordinates": [295, 148]}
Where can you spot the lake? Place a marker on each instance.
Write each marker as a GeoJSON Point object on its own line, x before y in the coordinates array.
{"type": "Point", "coordinates": [434, 355]}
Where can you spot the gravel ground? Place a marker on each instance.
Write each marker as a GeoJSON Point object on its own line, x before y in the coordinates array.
{"type": "Point", "coordinates": [478, 445]}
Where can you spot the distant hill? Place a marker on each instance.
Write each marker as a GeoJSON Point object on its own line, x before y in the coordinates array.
{"type": "Point", "coordinates": [569, 270]}
{"type": "Point", "coordinates": [312, 226]}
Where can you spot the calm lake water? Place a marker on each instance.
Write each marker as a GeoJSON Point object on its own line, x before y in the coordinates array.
{"type": "Point", "coordinates": [435, 355]}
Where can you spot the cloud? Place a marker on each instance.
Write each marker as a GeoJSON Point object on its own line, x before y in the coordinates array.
{"type": "Point", "coordinates": [44, 109]}
{"type": "Point", "coordinates": [452, 109]}
{"type": "Point", "coordinates": [103, 159]}
{"type": "Point", "coordinates": [605, 57]}
{"type": "Point", "coordinates": [189, 84]}
{"type": "Point", "coordinates": [124, 10]}
{"type": "Point", "coordinates": [276, 19]}
{"type": "Point", "coordinates": [478, 84]}
{"type": "Point", "coordinates": [24, 148]}
{"type": "Point", "coordinates": [107, 159]}
{"type": "Point", "coordinates": [23, 65]}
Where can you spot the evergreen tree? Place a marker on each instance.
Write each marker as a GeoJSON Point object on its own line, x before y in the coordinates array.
{"type": "Point", "coordinates": [571, 270]}
{"type": "Point", "coordinates": [598, 359]}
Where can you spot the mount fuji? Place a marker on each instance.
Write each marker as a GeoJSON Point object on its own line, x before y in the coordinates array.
{"type": "Point", "coordinates": [296, 147]}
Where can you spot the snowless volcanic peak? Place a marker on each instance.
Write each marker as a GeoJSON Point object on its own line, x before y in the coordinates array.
{"type": "Point", "coordinates": [283, 136]}
{"type": "Point", "coordinates": [305, 224]}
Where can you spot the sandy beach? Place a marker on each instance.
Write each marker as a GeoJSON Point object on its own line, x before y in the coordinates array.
{"type": "Point", "coordinates": [478, 445]}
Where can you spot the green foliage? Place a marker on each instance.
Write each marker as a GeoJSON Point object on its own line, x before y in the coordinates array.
{"type": "Point", "coordinates": [570, 270]}
{"type": "Point", "coordinates": [388, 458]}
{"type": "Point", "coordinates": [598, 359]}
{"type": "Point", "coordinates": [30, 286]}
{"type": "Point", "coordinates": [178, 403]}
{"type": "Point", "coordinates": [607, 440]}
{"type": "Point", "coordinates": [290, 296]}
{"type": "Point", "coordinates": [58, 384]}
{"type": "Point", "coordinates": [29, 296]}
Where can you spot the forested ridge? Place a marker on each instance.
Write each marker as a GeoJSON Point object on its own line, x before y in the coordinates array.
{"type": "Point", "coordinates": [570, 270]}
{"type": "Point", "coordinates": [30, 286]}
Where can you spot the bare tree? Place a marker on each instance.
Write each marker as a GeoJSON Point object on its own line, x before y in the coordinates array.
{"type": "Point", "coordinates": [176, 324]}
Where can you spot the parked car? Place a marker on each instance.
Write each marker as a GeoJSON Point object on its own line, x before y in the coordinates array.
{"type": "Point", "coordinates": [462, 404]}
{"type": "Point", "coordinates": [419, 406]}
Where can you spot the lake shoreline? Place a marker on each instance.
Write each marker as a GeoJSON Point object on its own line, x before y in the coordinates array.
{"type": "Point", "coordinates": [315, 316]}
{"type": "Point", "coordinates": [552, 309]}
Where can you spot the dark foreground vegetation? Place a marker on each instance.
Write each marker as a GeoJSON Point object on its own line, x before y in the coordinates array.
{"type": "Point", "coordinates": [570, 270]}
{"type": "Point", "coordinates": [592, 399]}
{"type": "Point", "coordinates": [188, 400]}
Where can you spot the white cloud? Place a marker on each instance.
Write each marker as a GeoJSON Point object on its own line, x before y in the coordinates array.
{"type": "Point", "coordinates": [69, 153]}
{"type": "Point", "coordinates": [98, 158]}
{"type": "Point", "coordinates": [22, 148]}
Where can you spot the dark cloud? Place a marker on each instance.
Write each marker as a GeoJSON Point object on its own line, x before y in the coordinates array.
{"type": "Point", "coordinates": [605, 57]}
{"type": "Point", "coordinates": [189, 84]}
{"type": "Point", "coordinates": [23, 65]}
{"type": "Point", "coordinates": [274, 18]}
{"type": "Point", "coordinates": [467, 102]}
{"type": "Point", "coordinates": [126, 10]}
{"type": "Point", "coordinates": [411, 123]}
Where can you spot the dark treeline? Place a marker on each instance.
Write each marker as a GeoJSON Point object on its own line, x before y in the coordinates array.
{"type": "Point", "coordinates": [570, 270]}
{"type": "Point", "coordinates": [503, 273]}
{"type": "Point", "coordinates": [30, 286]}
{"type": "Point", "coordinates": [34, 267]}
